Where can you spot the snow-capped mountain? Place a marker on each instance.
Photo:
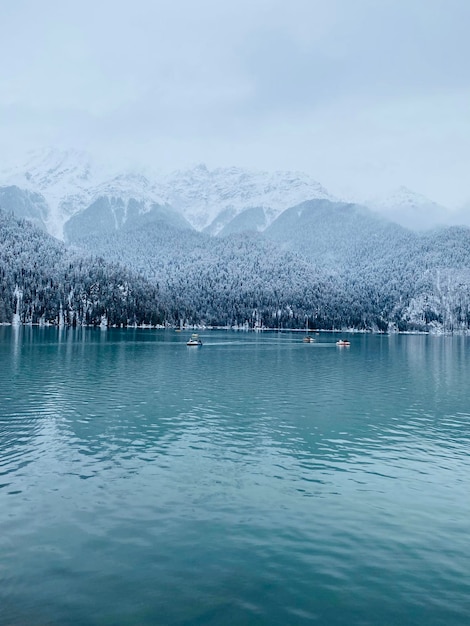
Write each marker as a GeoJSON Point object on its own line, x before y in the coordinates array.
{"type": "Point", "coordinates": [53, 171]}
{"type": "Point", "coordinates": [410, 209]}
{"type": "Point", "coordinates": [210, 199]}
{"type": "Point", "coordinates": [64, 179]}
{"type": "Point", "coordinates": [25, 204]}
{"type": "Point", "coordinates": [66, 192]}
{"type": "Point", "coordinates": [70, 184]}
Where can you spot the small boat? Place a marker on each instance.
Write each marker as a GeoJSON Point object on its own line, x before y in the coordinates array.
{"type": "Point", "coordinates": [194, 340]}
{"type": "Point", "coordinates": [307, 338]}
{"type": "Point", "coordinates": [343, 342]}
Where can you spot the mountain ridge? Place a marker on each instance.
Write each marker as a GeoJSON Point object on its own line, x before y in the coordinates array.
{"type": "Point", "coordinates": [337, 265]}
{"type": "Point", "coordinates": [70, 183]}
{"type": "Point", "coordinates": [410, 209]}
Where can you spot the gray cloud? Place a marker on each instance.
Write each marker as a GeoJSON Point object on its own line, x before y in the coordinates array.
{"type": "Point", "coordinates": [362, 94]}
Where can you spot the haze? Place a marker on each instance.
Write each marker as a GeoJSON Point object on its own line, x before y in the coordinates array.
{"type": "Point", "coordinates": [363, 95]}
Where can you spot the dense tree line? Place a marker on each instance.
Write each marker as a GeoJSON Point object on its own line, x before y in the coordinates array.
{"type": "Point", "coordinates": [42, 282]}
{"type": "Point", "coordinates": [389, 276]}
{"type": "Point", "coordinates": [227, 281]}
{"type": "Point", "coordinates": [333, 265]}
{"type": "Point", "coordinates": [374, 276]}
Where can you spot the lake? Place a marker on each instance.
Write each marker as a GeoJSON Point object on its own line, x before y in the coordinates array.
{"type": "Point", "coordinates": [253, 480]}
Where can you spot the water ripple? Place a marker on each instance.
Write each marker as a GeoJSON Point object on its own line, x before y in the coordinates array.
{"type": "Point", "coordinates": [256, 480]}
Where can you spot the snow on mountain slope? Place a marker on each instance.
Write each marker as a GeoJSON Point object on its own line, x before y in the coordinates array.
{"type": "Point", "coordinates": [217, 201]}
{"type": "Point", "coordinates": [202, 194]}
{"type": "Point", "coordinates": [64, 178]}
{"type": "Point", "coordinates": [24, 204]}
{"type": "Point", "coordinates": [53, 170]}
{"type": "Point", "coordinates": [71, 182]}
{"type": "Point", "coordinates": [410, 209]}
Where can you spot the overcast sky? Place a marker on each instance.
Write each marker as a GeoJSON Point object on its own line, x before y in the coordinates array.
{"type": "Point", "coordinates": [364, 95]}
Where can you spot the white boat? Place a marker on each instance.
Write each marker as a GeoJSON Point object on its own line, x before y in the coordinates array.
{"type": "Point", "coordinates": [194, 340]}
{"type": "Point", "coordinates": [307, 338]}
{"type": "Point", "coordinates": [343, 342]}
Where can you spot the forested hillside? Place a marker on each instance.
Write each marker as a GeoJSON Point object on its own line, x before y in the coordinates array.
{"type": "Point", "coordinates": [41, 281]}
{"type": "Point", "coordinates": [397, 277]}
{"type": "Point", "coordinates": [339, 265]}
{"type": "Point", "coordinates": [24, 204]}
{"type": "Point", "coordinates": [335, 265]}
{"type": "Point", "coordinates": [228, 280]}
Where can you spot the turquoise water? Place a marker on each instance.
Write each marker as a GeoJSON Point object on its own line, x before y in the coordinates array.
{"type": "Point", "coordinates": [255, 480]}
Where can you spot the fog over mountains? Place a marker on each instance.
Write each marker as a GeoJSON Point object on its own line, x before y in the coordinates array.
{"type": "Point", "coordinates": [51, 187]}
{"type": "Point", "coordinates": [228, 246]}
{"type": "Point", "coordinates": [68, 185]}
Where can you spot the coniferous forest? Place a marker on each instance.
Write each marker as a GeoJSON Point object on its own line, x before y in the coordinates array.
{"type": "Point", "coordinates": [43, 282]}
{"type": "Point", "coordinates": [372, 275]}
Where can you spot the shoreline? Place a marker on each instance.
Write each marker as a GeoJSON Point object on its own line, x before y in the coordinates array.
{"type": "Point", "coordinates": [352, 331]}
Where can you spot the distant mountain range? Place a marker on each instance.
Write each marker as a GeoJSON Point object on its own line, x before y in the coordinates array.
{"type": "Point", "coordinates": [67, 195]}
{"type": "Point", "coordinates": [410, 209]}
{"type": "Point", "coordinates": [222, 247]}
{"type": "Point", "coordinates": [331, 264]}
